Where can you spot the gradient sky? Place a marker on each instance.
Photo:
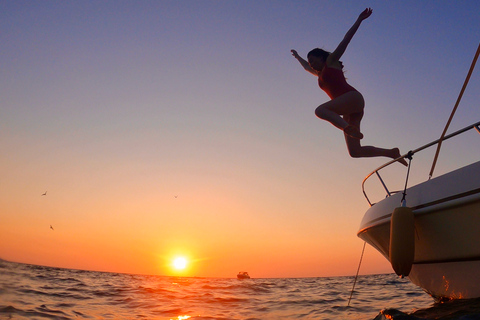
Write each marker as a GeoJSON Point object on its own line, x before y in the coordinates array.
{"type": "Point", "coordinates": [164, 128]}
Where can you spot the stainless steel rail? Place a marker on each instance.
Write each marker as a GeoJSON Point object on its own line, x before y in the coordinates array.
{"type": "Point", "coordinates": [456, 133]}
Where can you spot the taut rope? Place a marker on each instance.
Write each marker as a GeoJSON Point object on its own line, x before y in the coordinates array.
{"type": "Point", "coordinates": [356, 276]}
{"type": "Point", "coordinates": [409, 157]}
{"type": "Point", "coordinates": [453, 111]}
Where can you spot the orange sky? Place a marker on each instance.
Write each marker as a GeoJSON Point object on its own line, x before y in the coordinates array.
{"type": "Point", "coordinates": [122, 230]}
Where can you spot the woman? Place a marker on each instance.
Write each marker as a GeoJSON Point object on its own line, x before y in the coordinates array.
{"type": "Point", "coordinates": [345, 110]}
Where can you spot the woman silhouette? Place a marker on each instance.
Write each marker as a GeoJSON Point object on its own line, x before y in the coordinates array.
{"type": "Point", "coordinates": [345, 109]}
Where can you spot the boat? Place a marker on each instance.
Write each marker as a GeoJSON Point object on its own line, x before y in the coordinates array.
{"type": "Point", "coordinates": [243, 275]}
{"type": "Point", "coordinates": [445, 261]}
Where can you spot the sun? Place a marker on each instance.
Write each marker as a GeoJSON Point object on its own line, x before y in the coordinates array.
{"type": "Point", "coordinates": [180, 263]}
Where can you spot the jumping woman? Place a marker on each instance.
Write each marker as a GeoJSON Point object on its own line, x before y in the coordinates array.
{"type": "Point", "coordinates": [345, 109]}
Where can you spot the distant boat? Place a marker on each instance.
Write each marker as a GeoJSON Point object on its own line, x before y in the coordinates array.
{"type": "Point", "coordinates": [243, 275]}
{"type": "Point", "coordinates": [442, 249]}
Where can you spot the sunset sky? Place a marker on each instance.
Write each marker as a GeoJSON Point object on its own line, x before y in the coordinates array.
{"type": "Point", "coordinates": [162, 129]}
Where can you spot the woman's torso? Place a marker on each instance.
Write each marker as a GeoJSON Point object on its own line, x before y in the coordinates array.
{"type": "Point", "coordinates": [332, 81]}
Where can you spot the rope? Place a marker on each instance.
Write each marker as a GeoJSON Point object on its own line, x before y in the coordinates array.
{"type": "Point", "coordinates": [409, 156]}
{"type": "Point", "coordinates": [453, 111]}
{"type": "Point", "coordinates": [356, 276]}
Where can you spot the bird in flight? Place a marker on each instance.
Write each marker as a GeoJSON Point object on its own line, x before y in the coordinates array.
{"type": "Point", "coordinates": [44, 194]}
{"type": "Point", "coordinates": [51, 227]}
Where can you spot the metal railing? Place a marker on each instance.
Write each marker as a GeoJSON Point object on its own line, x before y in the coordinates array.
{"type": "Point", "coordinates": [376, 171]}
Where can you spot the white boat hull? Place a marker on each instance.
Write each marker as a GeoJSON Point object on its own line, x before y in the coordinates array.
{"type": "Point", "coordinates": [447, 229]}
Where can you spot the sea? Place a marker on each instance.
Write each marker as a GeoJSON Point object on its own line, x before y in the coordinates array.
{"type": "Point", "coordinates": [40, 292]}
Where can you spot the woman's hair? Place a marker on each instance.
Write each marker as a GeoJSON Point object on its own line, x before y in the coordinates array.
{"type": "Point", "coordinates": [322, 54]}
{"type": "Point", "coordinates": [319, 53]}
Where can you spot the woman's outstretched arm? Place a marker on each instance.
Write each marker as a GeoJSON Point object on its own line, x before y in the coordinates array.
{"type": "Point", "coordinates": [335, 55]}
{"type": "Point", "coordinates": [304, 63]}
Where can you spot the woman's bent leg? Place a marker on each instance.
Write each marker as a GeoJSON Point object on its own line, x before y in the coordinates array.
{"type": "Point", "coordinates": [348, 103]}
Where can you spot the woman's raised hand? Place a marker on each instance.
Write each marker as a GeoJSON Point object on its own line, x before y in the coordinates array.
{"type": "Point", "coordinates": [365, 14]}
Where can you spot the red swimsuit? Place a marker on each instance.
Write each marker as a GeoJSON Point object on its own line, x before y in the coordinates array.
{"type": "Point", "coordinates": [333, 82]}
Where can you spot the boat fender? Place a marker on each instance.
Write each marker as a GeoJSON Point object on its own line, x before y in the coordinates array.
{"type": "Point", "coordinates": [402, 240]}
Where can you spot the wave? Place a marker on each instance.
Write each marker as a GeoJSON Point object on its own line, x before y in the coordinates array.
{"type": "Point", "coordinates": [45, 292]}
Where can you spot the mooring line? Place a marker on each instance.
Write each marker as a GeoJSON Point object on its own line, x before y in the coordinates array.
{"type": "Point", "coordinates": [439, 145]}
{"type": "Point", "coordinates": [356, 276]}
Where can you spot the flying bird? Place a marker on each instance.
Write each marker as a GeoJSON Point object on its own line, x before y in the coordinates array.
{"type": "Point", "coordinates": [51, 227]}
{"type": "Point", "coordinates": [44, 194]}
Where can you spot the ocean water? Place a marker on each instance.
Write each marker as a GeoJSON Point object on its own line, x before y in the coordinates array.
{"type": "Point", "coordinates": [38, 292]}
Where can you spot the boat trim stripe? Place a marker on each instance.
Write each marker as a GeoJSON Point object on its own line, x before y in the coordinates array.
{"type": "Point", "coordinates": [429, 204]}
{"type": "Point", "coordinates": [448, 260]}
{"type": "Point", "coordinates": [454, 197]}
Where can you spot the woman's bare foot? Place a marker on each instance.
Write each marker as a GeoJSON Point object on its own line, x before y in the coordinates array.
{"type": "Point", "coordinates": [396, 154]}
{"type": "Point", "coordinates": [353, 132]}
